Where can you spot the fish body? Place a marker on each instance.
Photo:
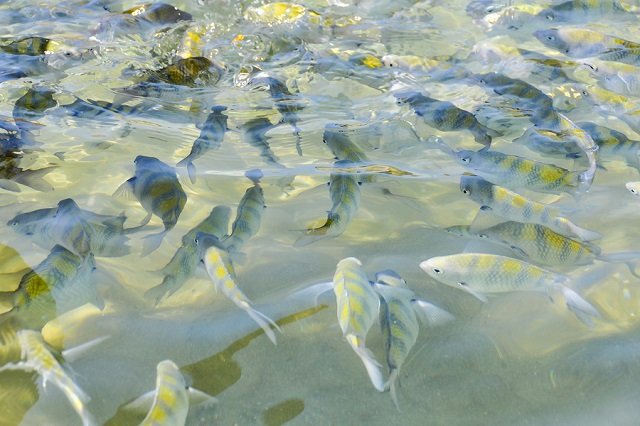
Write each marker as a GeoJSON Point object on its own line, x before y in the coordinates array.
{"type": "Point", "coordinates": [342, 147]}
{"type": "Point", "coordinates": [171, 403]}
{"type": "Point", "coordinates": [248, 217]}
{"type": "Point", "coordinates": [254, 132]}
{"type": "Point", "coordinates": [613, 143]}
{"type": "Point", "coordinates": [512, 206]}
{"type": "Point", "coordinates": [219, 268]}
{"type": "Point", "coordinates": [582, 43]}
{"type": "Point", "coordinates": [184, 262]}
{"type": "Point", "coordinates": [31, 46]}
{"type": "Point", "coordinates": [400, 328]}
{"type": "Point", "coordinates": [158, 13]}
{"type": "Point", "coordinates": [358, 305]}
{"type": "Point", "coordinates": [445, 116]}
{"type": "Point", "coordinates": [615, 76]}
{"type": "Point", "coordinates": [519, 172]}
{"type": "Point", "coordinates": [36, 356]}
{"type": "Point", "coordinates": [31, 106]}
{"type": "Point", "coordinates": [211, 136]}
{"type": "Point", "coordinates": [58, 284]}
{"type": "Point", "coordinates": [479, 273]}
{"type": "Point", "coordinates": [579, 10]}
{"type": "Point", "coordinates": [156, 186]}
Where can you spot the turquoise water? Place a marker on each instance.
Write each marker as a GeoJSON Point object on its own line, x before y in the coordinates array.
{"type": "Point", "coordinates": [518, 359]}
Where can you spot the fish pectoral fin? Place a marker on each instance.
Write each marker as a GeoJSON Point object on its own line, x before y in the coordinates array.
{"type": "Point", "coordinates": [430, 313]}
{"type": "Point", "coordinates": [372, 366]}
{"type": "Point", "coordinates": [77, 352]}
{"type": "Point", "coordinates": [141, 404]}
{"type": "Point", "coordinates": [126, 190]}
{"type": "Point", "coordinates": [582, 309]}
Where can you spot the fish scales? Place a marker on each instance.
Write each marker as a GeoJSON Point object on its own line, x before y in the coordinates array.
{"type": "Point", "coordinates": [171, 403]}
{"type": "Point", "coordinates": [248, 217]}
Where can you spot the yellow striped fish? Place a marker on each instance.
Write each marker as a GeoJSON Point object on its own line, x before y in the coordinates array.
{"type": "Point", "coordinates": [184, 262]}
{"type": "Point", "coordinates": [160, 13]}
{"type": "Point", "coordinates": [341, 146]}
{"type": "Point", "coordinates": [358, 306]}
{"type": "Point", "coordinates": [220, 270]}
{"type": "Point", "coordinates": [211, 136]}
{"type": "Point", "coordinates": [156, 186]}
{"type": "Point", "coordinates": [36, 356]}
{"type": "Point", "coordinates": [582, 43]}
{"type": "Point", "coordinates": [479, 273]}
{"type": "Point", "coordinates": [170, 400]}
{"type": "Point", "coordinates": [248, 215]}
{"type": "Point", "coordinates": [445, 116]}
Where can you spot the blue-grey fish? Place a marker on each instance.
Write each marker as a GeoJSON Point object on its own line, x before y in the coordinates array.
{"type": "Point", "coordinates": [580, 10]}
{"type": "Point", "coordinates": [219, 268]}
{"type": "Point", "coordinates": [582, 43]}
{"type": "Point", "coordinates": [156, 186]}
{"type": "Point", "coordinates": [479, 273]}
{"type": "Point", "coordinates": [36, 356]}
{"type": "Point", "coordinates": [342, 147]}
{"type": "Point", "coordinates": [168, 404]}
{"type": "Point", "coordinates": [445, 116]}
{"type": "Point", "coordinates": [32, 106]}
{"type": "Point", "coordinates": [184, 262]}
{"type": "Point", "coordinates": [254, 132]}
{"type": "Point", "coordinates": [358, 305]}
{"type": "Point", "coordinates": [211, 136]}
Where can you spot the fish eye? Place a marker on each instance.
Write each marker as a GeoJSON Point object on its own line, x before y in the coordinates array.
{"type": "Point", "coordinates": [465, 159]}
{"type": "Point", "coordinates": [483, 236]}
{"type": "Point", "coordinates": [550, 16]}
{"type": "Point", "coordinates": [633, 191]}
{"type": "Point", "coordinates": [437, 271]}
{"type": "Point", "coordinates": [466, 191]}
{"type": "Point", "coordinates": [550, 38]}
{"type": "Point", "coordinates": [461, 284]}
{"type": "Point", "coordinates": [483, 81]}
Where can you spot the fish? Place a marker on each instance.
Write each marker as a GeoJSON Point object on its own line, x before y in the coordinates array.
{"type": "Point", "coordinates": [30, 46]}
{"type": "Point", "coordinates": [522, 96]}
{"type": "Point", "coordinates": [11, 174]}
{"type": "Point", "coordinates": [582, 43]}
{"type": "Point", "coordinates": [285, 102]}
{"type": "Point", "coordinates": [170, 400]}
{"type": "Point", "coordinates": [254, 132]}
{"type": "Point", "coordinates": [512, 206]}
{"type": "Point", "coordinates": [185, 261]}
{"type": "Point", "coordinates": [633, 187]}
{"type": "Point", "coordinates": [220, 270]}
{"type": "Point", "coordinates": [32, 106]}
{"type": "Point", "coordinates": [517, 172]}
{"type": "Point", "coordinates": [344, 189]}
{"type": "Point", "coordinates": [211, 136]}
{"type": "Point", "coordinates": [479, 273]}
{"type": "Point", "coordinates": [579, 10]}
{"type": "Point", "coordinates": [615, 76]}
{"type": "Point", "coordinates": [342, 146]}
{"type": "Point", "coordinates": [80, 231]}
{"type": "Point", "coordinates": [613, 144]}
{"type": "Point", "coordinates": [58, 284]}
{"type": "Point", "coordinates": [158, 13]}
{"type": "Point", "coordinates": [37, 356]}
{"type": "Point", "coordinates": [445, 116]}
{"type": "Point", "coordinates": [248, 215]}
{"type": "Point", "coordinates": [157, 188]}
{"type": "Point", "coordinates": [541, 245]}
{"type": "Point", "coordinates": [358, 305]}
{"type": "Point", "coordinates": [400, 311]}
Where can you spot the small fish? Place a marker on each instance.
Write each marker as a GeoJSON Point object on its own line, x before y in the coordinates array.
{"type": "Point", "coordinates": [512, 206]}
{"type": "Point", "coordinates": [615, 76]}
{"type": "Point", "coordinates": [344, 189]}
{"type": "Point", "coordinates": [248, 215]}
{"type": "Point", "coordinates": [579, 10]}
{"type": "Point", "coordinates": [518, 172]}
{"type": "Point", "coordinates": [210, 138]}
{"type": "Point", "coordinates": [31, 106]}
{"type": "Point", "coordinates": [169, 402]}
{"type": "Point", "coordinates": [184, 262]}
{"type": "Point", "coordinates": [156, 186]}
{"type": "Point", "coordinates": [11, 173]}
{"type": "Point", "coordinates": [342, 147]}
{"type": "Point", "coordinates": [36, 356]}
{"type": "Point", "coordinates": [358, 305]}
{"type": "Point", "coordinates": [613, 144]}
{"type": "Point", "coordinates": [285, 102]}
{"type": "Point", "coordinates": [478, 273]}
{"type": "Point", "coordinates": [219, 268]}
{"type": "Point", "coordinates": [31, 46]}
{"type": "Point", "coordinates": [58, 284]}
{"type": "Point", "coordinates": [445, 116]}
{"type": "Point", "coordinates": [158, 13]}
{"type": "Point", "coordinates": [582, 43]}
{"type": "Point", "coordinates": [254, 132]}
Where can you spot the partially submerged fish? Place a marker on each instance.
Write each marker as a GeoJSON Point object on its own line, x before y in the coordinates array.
{"type": "Point", "coordinates": [31, 46]}
{"type": "Point", "coordinates": [248, 214]}
{"type": "Point", "coordinates": [184, 262]}
{"type": "Point", "coordinates": [219, 268]}
{"type": "Point", "coordinates": [36, 356]}
{"type": "Point", "coordinates": [159, 13]}
{"type": "Point", "coordinates": [254, 132]}
{"type": "Point", "coordinates": [512, 206]}
{"type": "Point", "coordinates": [156, 186]}
{"type": "Point", "coordinates": [358, 305]}
{"type": "Point", "coordinates": [342, 147]}
{"type": "Point", "coordinates": [169, 402]}
{"type": "Point", "coordinates": [582, 43]}
{"type": "Point", "coordinates": [210, 138]}
{"type": "Point", "coordinates": [445, 116]}
{"type": "Point", "coordinates": [478, 274]}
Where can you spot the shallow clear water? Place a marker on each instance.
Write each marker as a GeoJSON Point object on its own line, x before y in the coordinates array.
{"type": "Point", "coordinates": [518, 359]}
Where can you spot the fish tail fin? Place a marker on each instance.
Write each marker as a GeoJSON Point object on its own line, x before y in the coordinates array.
{"type": "Point", "coordinates": [391, 385]}
{"type": "Point", "coordinates": [34, 179]}
{"type": "Point", "coordinates": [582, 309]}
{"type": "Point", "coordinates": [583, 234]}
{"type": "Point", "coordinates": [152, 242]}
{"type": "Point", "coordinates": [191, 168]}
{"type": "Point", "coordinates": [630, 258]}
{"type": "Point", "coordinates": [264, 322]}
{"type": "Point", "coordinates": [370, 363]}
{"type": "Point", "coordinates": [162, 291]}
{"type": "Point", "coordinates": [431, 314]}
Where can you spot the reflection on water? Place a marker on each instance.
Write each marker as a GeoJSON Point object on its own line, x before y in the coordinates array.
{"type": "Point", "coordinates": [354, 119]}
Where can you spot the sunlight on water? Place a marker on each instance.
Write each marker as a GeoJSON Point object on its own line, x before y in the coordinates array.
{"type": "Point", "coordinates": [319, 131]}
